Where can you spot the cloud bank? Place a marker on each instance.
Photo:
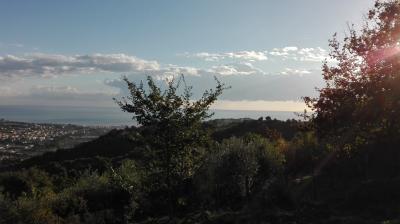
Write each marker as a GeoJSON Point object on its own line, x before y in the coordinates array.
{"type": "Point", "coordinates": [300, 54]}
{"type": "Point", "coordinates": [58, 96]}
{"type": "Point", "coordinates": [252, 87]}
{"type": "Point", "coordinates": [241, 55]}
{"type": "Point", "coordinates": [51, 65]}
{"type": "Point", "coordinates": [55, 64]}
{"type": "Point", "coordinates": [317, 54]}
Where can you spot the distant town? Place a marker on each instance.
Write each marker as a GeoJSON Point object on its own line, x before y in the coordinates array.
{"type": "Point", "coordinates": [19, 140]}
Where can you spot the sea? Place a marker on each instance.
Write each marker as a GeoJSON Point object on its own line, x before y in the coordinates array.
{"type": "Point", "coordinates": [108, 116]}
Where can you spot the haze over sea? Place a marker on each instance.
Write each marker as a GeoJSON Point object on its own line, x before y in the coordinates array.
{"type": "Point", "coordinates": [107, 116]}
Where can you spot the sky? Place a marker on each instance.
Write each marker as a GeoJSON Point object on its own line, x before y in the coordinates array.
{"type": "Point", "coordinates": [74, 53]}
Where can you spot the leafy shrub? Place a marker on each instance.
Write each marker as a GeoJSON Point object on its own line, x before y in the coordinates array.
{"type": "Point", "coordinates": [239, 169]}
{"type": "Point", "coordinates": [302, 154]}
{"type": "Point", "coordinates": [33, 182]}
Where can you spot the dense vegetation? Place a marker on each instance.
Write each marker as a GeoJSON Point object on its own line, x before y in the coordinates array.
{"type": "Point", "coordinates": [340, 166]}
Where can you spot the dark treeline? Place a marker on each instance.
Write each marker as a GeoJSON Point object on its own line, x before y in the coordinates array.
{"type": "Point", "coordinates": [341, 164]}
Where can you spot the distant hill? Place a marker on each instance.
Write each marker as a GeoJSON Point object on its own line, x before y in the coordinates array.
{"type": "Point", "coordinates": [120, 144]}
{"type": "Point", "coordinates": [226, 128]}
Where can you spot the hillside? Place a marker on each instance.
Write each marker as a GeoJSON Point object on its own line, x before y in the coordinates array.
{"type": "Point", "coordinates": [122, 144]}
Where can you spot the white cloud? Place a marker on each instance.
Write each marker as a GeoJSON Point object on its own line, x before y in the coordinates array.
{"type": "Point", "coordinates": [58, 95]}
{"type": "Point", "coordinates": [44, 65]}
{"type": "Point", "coordinates": [290, 71]}
{"type": "Point", "coordinates": [226, 70]}
{"type": "Point", "coordinates": [235, 69]}
{"type": "Point", "coordinates": [248, 55]}
{"type": "Point", "coordinates": [178, 70]}
{"type": "Point", "coordinates": [290, 52]}
{"type": "Point", "coordinates": [54, 64]}
{"type": "Point", "coordinates": [287, 49]}
{"type": "Point", "coordinates": [39, 90]}
{"type": "Point", "coordinates": [206, 56]}
{"type": "Point", "coordinates": [240, 55]}
{"type": "Point", "coordinates": [301, 54]}
{"type": "Point", "coordinates": [65, 92]}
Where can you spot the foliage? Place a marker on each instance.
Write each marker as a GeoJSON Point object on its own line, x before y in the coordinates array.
{"type": "Point", "coordinates": [357, 112]}
{"type": "Point", "coordinates": [32, 182]}
{"type": "Point", "coordinates": [270, 128]}
{"type": "Point", "coordinates": [238, 170]}
{"type": "Point", "coordinates": [92, 198]}
{"type": "Point", "coordinates": [361, 97]}
{"type": "Point", "coordinates": [171, 127]}
{"type": "Point", "coordinates": [303, 153]}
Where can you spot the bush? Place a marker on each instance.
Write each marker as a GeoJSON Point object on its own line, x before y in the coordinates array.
{"type": "Point", "coordinates": [239, 168]}
{"type": "Point", "coordinates": [92, 198]}
{"type": "Point", "coordinates": [33, 182]}
{"type": "Point", "coordinates": [302, 154]}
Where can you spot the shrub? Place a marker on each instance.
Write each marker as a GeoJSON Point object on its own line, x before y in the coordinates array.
{"type": "Point", "coordinates": [239, 168]}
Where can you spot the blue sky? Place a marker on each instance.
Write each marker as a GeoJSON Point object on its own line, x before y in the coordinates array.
{"type": "Point", "coordinates": [74, 52]}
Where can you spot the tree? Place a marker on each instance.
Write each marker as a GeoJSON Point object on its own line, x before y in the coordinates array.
{"type": "Point", "coordinates": [171, 126]}
{"type": "Point", "coordinates": [361, 99]}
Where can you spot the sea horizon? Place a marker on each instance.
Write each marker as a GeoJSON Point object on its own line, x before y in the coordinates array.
{"type": "Point", "coordinates": [110, 116]}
